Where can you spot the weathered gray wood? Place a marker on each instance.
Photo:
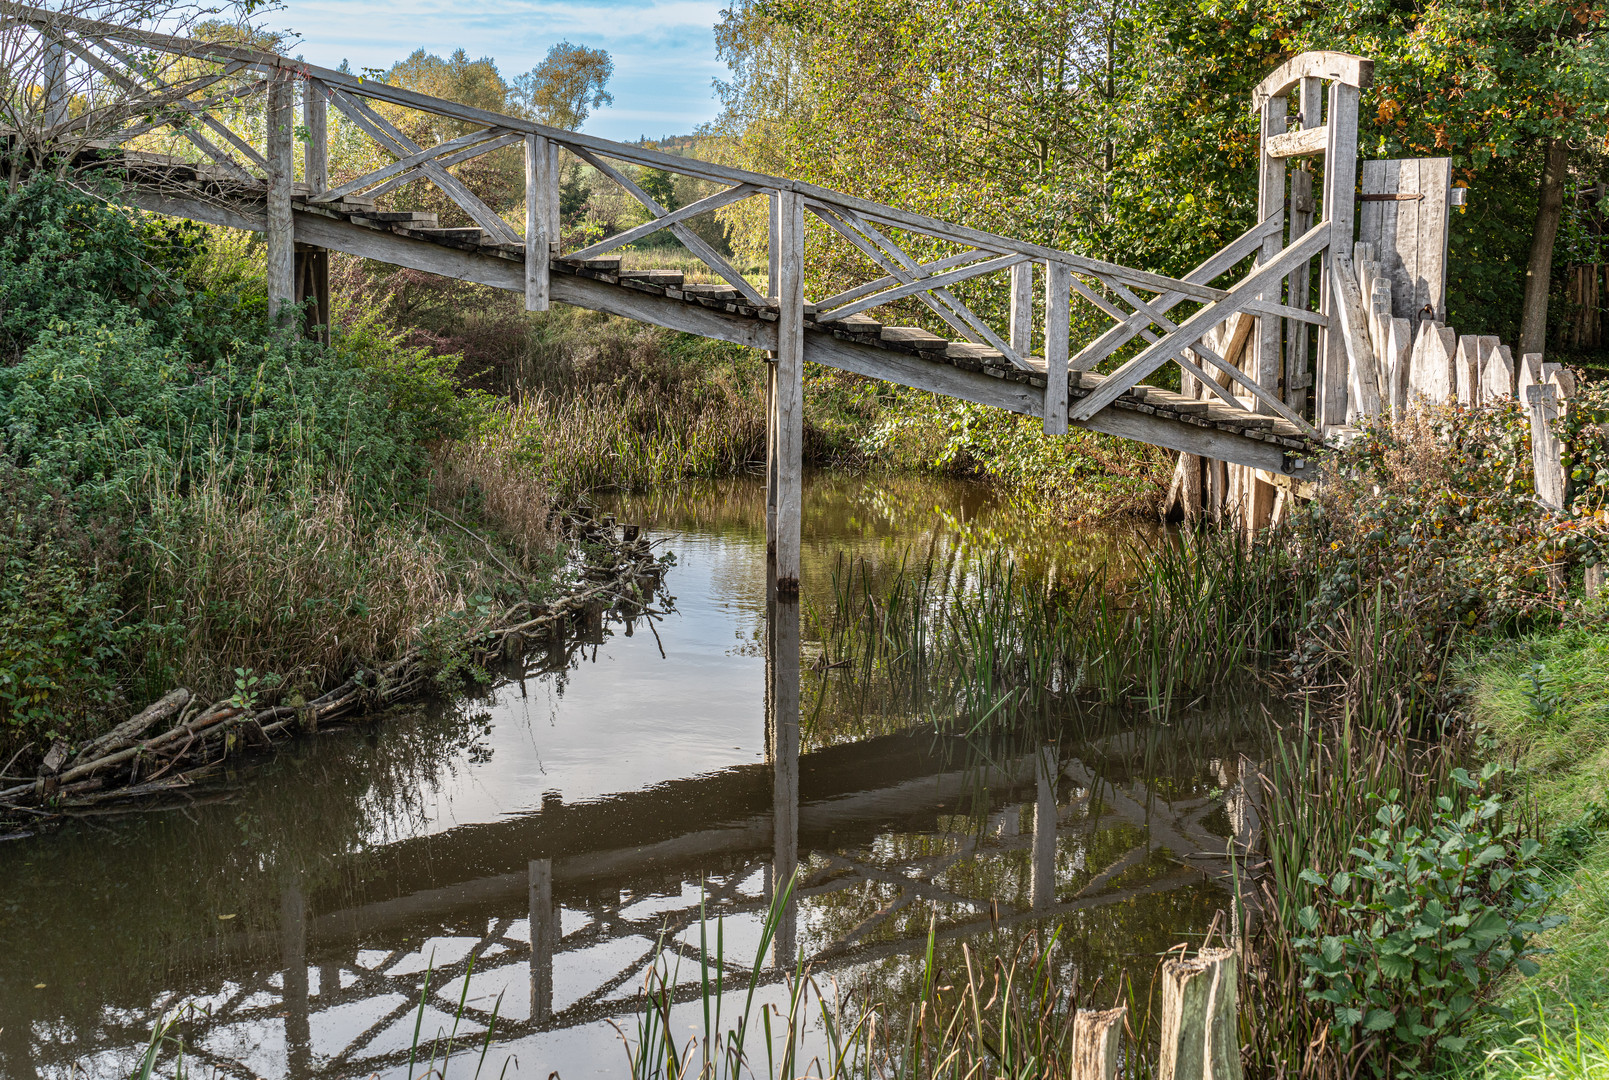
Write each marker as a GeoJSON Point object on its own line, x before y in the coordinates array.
{"type": "Point", "coordinates": [1410, 235]}
{"type": "Point", "coordinates": [1596, 580]}
{"type": "Point", "coordinates": [936, 281]}
{"type": "Point", "coordinates": [1363, 383]}
{"type": "Point", "coordinates": [1191, 330]}
{"type": "Point", "coordinates": [1466, 366]}
{"type": "Point", "coordinates": [1344, 68]}
{"type": "Point", "coordinates": [1432, 376]}
{"type": "Point", "coordinates": [1022, 308]}
{"type": "Point", "coordinates": [1547, 460]}
{"type": "Point", "coordinates": [1340, 177]}
{"type": "Point", "coordinates": [316, 154]}
{"type": "Point", "coordinates": [544, 928]}
{"type": "Point", "coordinates": [538, 184]}
{"type": "Point", "coordinates": [335, 233]}
{"type": "Point", "coordinates": [1058, 329]}
{"type": "Point", "coordinates": [1497, 375]}
{"type": "Point", "coordinates": [409, 163]}
{"type": "Point", "coordinates": [1298, 143]}
{"type": "Point", "coordinates": [789, 398]}
{"type": "Point", "coordinates": [1298, 377]}
{"type": "Point", "coordinates": [691, 210]}
{"type": "Point", "coordinates": [1399, 346]}
{"type": "Point", "coordinates": [280, 231]}
{"type": "Point", "coordinates": [55, 96]}
{"type": "Point", "coordinates": [556, 171]}
{"type": "Point", "coordinates": [1529, 374]}
{"type": "Point", "coordinates": [1270, 202]}
{"type": "Point", "coordinates": [1199, 1002]}
{"type": "Point", "coordinates": [1097, 1037]}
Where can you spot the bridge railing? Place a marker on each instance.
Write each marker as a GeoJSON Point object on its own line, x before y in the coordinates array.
{"type": "Point", "coordinates": [139, 80]}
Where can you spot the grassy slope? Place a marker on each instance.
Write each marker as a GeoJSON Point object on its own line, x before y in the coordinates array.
{"type": "Point", "coordinates": [1546, 700]}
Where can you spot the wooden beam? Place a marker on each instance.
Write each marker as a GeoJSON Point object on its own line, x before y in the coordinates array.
{"type": "Point", "coordinates": [1058, 329]}
{"type": "Point", "coordinates": [1022, 308]}
{"type": "Point", "coordinates": [408, 162]}
{"type": "Point", "coordinates": [788, 403]}
{"type": "Point", "coordinates": [1270, 203]}
{"type": "Point", "coordinates": [316, 119]}
{"type": "Point", "coordinates": [1313, 140]}
{"type": "Point", "coordinates": [936, 281]}
{"type": "Point", "coordinates": [673, 217]}
{"type": "Point", "coordinates": [280, 228]}
{"type": "Point", "coordinates": [538, 182]}
{"type": "Point", "coordinates": [1340, 67]}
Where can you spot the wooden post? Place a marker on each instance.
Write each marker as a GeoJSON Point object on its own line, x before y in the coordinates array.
{"type": "Point", "coordinates": [772, 282]}
{"type": "Point", "coordinates": [1058, 315]}
{"type": "Point", "coordinates": [1270, 203]}
{"type": "Point", "coordinates": [787, 414]}
{"type": "Point", "coordinates": [1096, 1037]}
{"type": "Point", "coordinates": [1340, 182]}
{"type": "Point", "coordinates": [312, 264]}
{"type": "Point", "coordinates": [544, 936]}
{"type": "Point", "coordinates": [280, 231]}
{"type": "Point", "coordinates": [55, 96]}
{"type": "Point", "coordinates": [556, 177]}
{"type": "Point", "coordinates": [1547, 459]}
{"type": "Point", "coordinates": [1042, 887]}
{"type": "Point", "coordinates": [1298, 373]}
{"type": "Point", "coordinates": [1597, 580]}
{"type": "Point", "coordinates": [539, 190]}
{"type": "Point", "coordinates": [293, 953]}
{"type": "Point", "coordinates": [783, 691]}
{"type": "Point", "coordinates": [1022, 308]}
{"type": "Point", "coordinates": [1200, 1040]}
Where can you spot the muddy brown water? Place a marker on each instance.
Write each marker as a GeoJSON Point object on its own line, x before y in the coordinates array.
{"type": "Point", "coordinates": [530, 848]}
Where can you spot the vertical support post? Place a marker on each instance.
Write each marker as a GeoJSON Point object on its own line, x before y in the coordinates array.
{"type": "Point", "coordinates": [773, 203]}
{"type": "Point", "coordinates": [787, 427]}
{"type": "Point", "coordinates": [538, 187]}
{"type": "Point", "coordinates": [1340, 183]}
{"type": "Point", "coordinates": [556, 172]}
{"type": "Point", "coordinates": [53, 106]}
{"type": "Point", "coordinates": [783, 697]}
{"type": "Point", "coordinates": [312, 269]}
{"type": "Point", "coordinates": [1270, 203]}
{"type": "Point", "coordinates": [544, 936]}
{"type": "Point", "coordinates": [280, 230]}
{"type": "Point", "coordinates": [1058, 282]}
{"type": "Point", "coordinates": [1200, 1040]}
{"type": "Point", "coordinates": [1042, 889]}
{"type": "Point", "coordinates": [772, 283]}
{"type": "Point", "coordinates": [293, 954]}
{"type": "Point", "coordinates": [1022, 308]}
{"type": "Point", "coordinates": [1547, 458]}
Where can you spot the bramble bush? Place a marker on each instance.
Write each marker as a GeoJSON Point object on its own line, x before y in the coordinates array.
{"type": "Point", "coordinates": [1408, 941]}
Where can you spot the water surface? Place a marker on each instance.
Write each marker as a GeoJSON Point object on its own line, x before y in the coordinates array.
{"type": "Point", "coordinates": [557, 829]}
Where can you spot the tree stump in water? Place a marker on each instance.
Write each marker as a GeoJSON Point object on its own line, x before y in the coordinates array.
{"type": "Point", "coordinates": [1199, 1001]}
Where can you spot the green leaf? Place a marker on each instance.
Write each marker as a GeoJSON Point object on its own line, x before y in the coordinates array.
{"type": "Point", "coordinates": [1379, 1020]}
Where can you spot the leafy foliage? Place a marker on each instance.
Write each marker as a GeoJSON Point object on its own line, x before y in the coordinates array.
{"type": "Point", "coordinates": [1425, 921]}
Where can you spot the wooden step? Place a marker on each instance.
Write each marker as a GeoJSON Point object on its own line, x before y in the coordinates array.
{"type": "Point", "coordinates": [412, 218]}
{"type": "Point", "coordinates": [859, 324]}
{"type": "Point", "coordinates": [983, 354]}
{"type": "Point", "coordinates": [654, 277]}
{"type": "Point", "coordinates": [1168, 399]}
{"type": "Point", "coordinates": [469, 235]}
{"type": "Point", "coordinates": [913, 337]}
{"type": "Point", "coordinates": [608, 266]}
{"type": "Point", "coordinates": [717, 292]}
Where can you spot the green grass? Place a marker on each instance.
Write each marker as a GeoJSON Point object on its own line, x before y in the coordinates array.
{"type": "Point", "coordinates": [1544, 700]}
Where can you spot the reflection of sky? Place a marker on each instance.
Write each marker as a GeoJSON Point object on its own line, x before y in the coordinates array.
{"type": "Point", "coordinates": [664, 50]}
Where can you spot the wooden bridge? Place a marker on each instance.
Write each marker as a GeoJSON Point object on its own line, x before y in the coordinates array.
{"type": "Point", "coordinates": [1243, 348]}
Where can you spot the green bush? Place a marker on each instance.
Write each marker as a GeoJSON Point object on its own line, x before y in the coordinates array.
{"type": "Point", "coordinates": [1423, 924]}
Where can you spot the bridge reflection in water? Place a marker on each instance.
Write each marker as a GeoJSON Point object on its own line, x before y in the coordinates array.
{"type": "Point", "coordinates": [554, 915]}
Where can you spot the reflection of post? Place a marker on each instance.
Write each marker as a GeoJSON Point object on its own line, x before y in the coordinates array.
{"type": "Point", "coordinates": [1043, 893]}
{"type": "Point", "coordinates": [544, 935]}
{"type": "Point", "coordinates": [293, 952]}
{"type": "Point", "coordinates": [783, 691]}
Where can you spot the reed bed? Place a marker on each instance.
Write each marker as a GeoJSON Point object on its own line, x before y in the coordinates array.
{"type": "Point", "coordinates": [993, 649]}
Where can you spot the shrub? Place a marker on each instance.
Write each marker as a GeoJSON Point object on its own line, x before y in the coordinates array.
{"type": "Point", "coordinates": [1422, 925]}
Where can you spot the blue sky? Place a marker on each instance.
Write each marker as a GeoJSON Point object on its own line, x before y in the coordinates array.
{"type": "Point", "coordinates": [664, 50]}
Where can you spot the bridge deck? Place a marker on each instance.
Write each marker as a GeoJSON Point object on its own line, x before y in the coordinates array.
{"type": "Point", "coordinates": [905, 355]}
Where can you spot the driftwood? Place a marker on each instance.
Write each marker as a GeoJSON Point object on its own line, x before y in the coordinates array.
{"type": "Point", "coordinates": [121, 765]}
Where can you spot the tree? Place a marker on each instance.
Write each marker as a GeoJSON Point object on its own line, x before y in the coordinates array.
{"type": "Point", "coordinates": [566, 86]}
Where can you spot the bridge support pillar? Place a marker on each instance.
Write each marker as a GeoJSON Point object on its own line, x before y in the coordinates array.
{"type": "Point", "coordinates": [782, 694]}
{"type": "Point", "coordinates": [312, 264]}
{"type": "Point", "coordinates": [785, 412]}
{"type": "Point", "coordinates": [280, 232]}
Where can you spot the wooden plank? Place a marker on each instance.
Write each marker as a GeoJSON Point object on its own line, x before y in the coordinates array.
{"type": "Point", "coordinates": [1497, 377]}
{"type": "Point", "coordinates": [538, 182]}
{"type": "Point", "coordinates": [1300, 143]}
{"type": "Point", "coordinates": [1270, 201]}
{"type": "Point", "coordinates": [789, 396]}
{"type": "Point", "coordinates": [1432, 376]}
{"type": "Point", "coordinates": [691, 210]}
{"type": "Point", "coordinates": [1297, 376]}
{"type": "Point", "coordinates": [1547, 460]}
{"type": "Point", "coordinates": [1466, 369]}
{"type": "Point", "coordinates": [1343, 68]}
{"type": "Point", "coordinates": [1363, 382]}
{"type": "Point", "coordinates": [1022, 308]}
{"type": "Point", "coordinates": [1191, 330]}
{"type": "Point", "coordinates": [1399, 345]}
{"type": "Point", "coordinates": [280, 231]}
{"type": "Point", "coordinates": [1058, 330]}
{"type": "Point", "coordinates": [1340, 176]}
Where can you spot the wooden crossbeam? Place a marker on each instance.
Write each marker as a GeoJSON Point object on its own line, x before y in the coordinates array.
{"type": "Point", "coordinates": [404, 164]}
{"type": "Point", "coordinates": [217, 126]}
{"type": "Point", "coordinates": [446, 162]}
{"type": "Point", "coordinates": [922, 284]}
{"type": "Point", "coordinates": [125, 134]}
{"type": "Point", "coordinates": [923, 270]}
{"type": "Point", "coordinates": [691, 240]}
{"type": "Point", "coordinates": [674, 217]}
{"type": "Point", "coordinates": [1190, 331]}
{"type": "Point", "coordinates": [1127, 328]}
{"type": "Point", "coordinates": [395, 142]}
{"type": "Point", "coordinates": [1300, 143]}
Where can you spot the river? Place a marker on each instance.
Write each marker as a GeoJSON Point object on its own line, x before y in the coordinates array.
{"type": "Point", "coordinates": [559, 828]}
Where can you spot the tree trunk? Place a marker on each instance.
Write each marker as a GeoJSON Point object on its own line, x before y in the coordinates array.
{"type": "Point", "coordinates": [1538, 270]}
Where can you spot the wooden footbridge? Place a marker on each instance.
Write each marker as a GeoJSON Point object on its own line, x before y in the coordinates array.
{"type": "Point", "coordinates": [100, 87]}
